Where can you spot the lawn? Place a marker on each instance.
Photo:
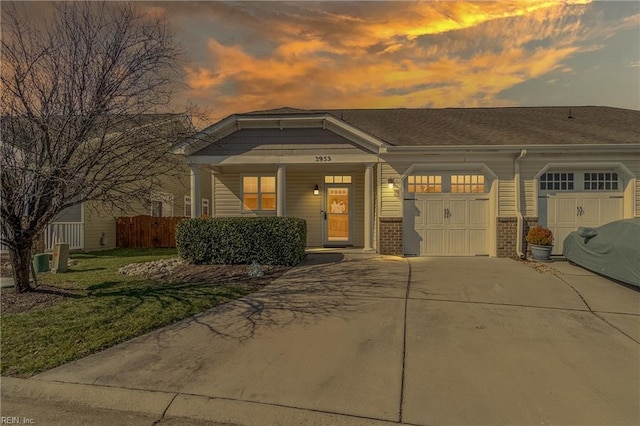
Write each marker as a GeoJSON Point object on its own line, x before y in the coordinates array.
{"type": "Point", "coordinates": [102, 308]}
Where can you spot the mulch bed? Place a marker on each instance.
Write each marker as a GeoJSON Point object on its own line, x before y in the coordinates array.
{"type": "Point", "coordinates": [42, 297]}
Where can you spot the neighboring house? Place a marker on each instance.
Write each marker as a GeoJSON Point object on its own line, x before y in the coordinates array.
{"type": "Point", "coordinates": [424, 181]}
{"type": "Point", "coordinates": [90, 226]}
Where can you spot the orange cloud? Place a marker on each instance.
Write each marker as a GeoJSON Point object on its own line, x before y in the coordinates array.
{"type": "Point", "coordinates": [418, 54]}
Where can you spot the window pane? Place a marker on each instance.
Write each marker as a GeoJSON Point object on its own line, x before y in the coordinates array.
{"type": "Point", "coordinates": [337, 179]}
{"type": "Point", "coordinates": [250, 184]}
{"type": "Point", "coordinates": [268, 201]}
{"type": "Point", "coordinates": [328, 179]}
{"type": "Point", "coordinates": [346, 179]}
{"type": "Point", "coordinates": [411, 188]}
{"type": "Point", "coordinates": [250, 202]}
{"type": "Point", "coordinates": [267, 184]}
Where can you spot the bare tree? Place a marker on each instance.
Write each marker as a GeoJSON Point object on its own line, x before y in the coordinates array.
{"type": "Point", "coordinates": [78, 90]}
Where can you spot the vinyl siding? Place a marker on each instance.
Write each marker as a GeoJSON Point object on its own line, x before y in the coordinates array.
{"type": "Point", "coordinates": [99, 220]}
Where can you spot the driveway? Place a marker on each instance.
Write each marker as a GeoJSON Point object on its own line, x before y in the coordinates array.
{"type": "Point", "coordinates": [366, 339]}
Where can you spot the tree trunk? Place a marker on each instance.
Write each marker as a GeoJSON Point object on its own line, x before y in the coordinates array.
{"type": "Point", "coordinates": [21, 264]}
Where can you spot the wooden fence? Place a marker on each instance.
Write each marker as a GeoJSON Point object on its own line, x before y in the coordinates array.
{"type": "Point", "coordinates": [146, 231]}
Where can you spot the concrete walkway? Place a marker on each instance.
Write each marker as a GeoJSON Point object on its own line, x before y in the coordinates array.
{"type": "Point", "coordinates": [365, 339]}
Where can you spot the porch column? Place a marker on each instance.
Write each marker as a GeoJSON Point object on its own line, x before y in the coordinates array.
{"type": "Point", "coordinates": [195, 191]}
{"type": "Point", "coordinates": [368, 208]}
{"type": "Point", "coordinates": [280, 191]}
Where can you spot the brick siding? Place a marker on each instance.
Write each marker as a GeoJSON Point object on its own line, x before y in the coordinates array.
{"type": "Point", "coordinates": [507, 235]}
{"type": "Point", "coordinates": [390, 242]}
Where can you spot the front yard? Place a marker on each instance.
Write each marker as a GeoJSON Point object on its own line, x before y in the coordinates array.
{"type": "Point", "coordinates": [92, 306]}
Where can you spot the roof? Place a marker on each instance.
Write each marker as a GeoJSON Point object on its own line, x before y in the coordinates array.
{"type": "Point", "coordinates": [568, 125]}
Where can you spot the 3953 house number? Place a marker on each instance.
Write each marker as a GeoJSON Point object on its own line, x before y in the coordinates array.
{"type": "Point", "coordinates": [323, 158]}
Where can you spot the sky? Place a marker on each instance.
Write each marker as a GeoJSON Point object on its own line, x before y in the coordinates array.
{"type": "Point", "coordinates": [245, 56]}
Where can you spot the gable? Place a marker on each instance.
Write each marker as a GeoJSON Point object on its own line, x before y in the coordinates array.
{"type": "Point", "coordinates": [280, 142]}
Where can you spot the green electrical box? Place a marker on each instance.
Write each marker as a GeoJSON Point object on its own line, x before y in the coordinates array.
{"type": "Point", "coordinates": [41, 262]}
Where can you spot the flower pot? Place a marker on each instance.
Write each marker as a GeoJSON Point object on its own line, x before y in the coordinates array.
{"type": "Point", "coordinates": [540, 252]}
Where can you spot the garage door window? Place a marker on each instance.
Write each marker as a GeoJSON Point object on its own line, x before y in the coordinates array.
{"type": "Point", "coordinates": [579, 181]}
{"type": "Point", "coordinates": [424, 184]}
{"type": "Point", "coordinates": [600, 181]}
{"type": "Point", "coordinates": [467, 184]}
{"type": "Point", "coordinates": [557, 182]}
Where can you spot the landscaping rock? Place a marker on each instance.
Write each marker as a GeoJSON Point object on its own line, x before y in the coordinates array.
{"type": "Point", "coordinates": [154, 268]}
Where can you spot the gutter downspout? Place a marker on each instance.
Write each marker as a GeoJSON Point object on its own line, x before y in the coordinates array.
{"type": "Point", "coordinates": [519, 216]}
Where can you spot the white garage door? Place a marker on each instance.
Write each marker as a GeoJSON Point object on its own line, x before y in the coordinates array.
{"type": "Point", "coordinates": [438, 223]}
{"type": "Point", "coordinates": [578, 199]}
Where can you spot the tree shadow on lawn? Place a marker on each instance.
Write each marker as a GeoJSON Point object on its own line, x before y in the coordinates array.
{"type": "Point", "coordinates": [322, 286]}
{"type": "Point", "coordinates": [166, 295]}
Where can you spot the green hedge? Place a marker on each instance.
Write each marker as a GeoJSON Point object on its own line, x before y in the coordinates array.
{"type": "Point", "coordinates": [238, 240]}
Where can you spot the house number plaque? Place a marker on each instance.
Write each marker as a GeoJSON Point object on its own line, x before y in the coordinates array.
{"type": "Point", "coordinates": [323, 158]}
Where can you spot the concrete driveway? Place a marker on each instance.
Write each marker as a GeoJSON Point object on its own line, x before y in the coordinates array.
{"type": "Point", "coordinates": [366, 339]}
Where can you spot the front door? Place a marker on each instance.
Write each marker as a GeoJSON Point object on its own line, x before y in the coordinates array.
{"type": "Point", "coordinates": [337, 215]}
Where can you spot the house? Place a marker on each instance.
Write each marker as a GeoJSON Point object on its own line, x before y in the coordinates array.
{"type": "Point", "coordinates": [91, 226]}
{"type": "Point", "coordinates": [454, 181]}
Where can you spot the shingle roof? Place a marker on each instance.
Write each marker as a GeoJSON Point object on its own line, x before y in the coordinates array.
{"type": "Point", "coordinates": [489, 126]}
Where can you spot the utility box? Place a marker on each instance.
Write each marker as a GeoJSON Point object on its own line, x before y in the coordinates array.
{"type": "Point", "coordinates": [60, 257]}
{"type": "Point", "coordinates": [41, 262]}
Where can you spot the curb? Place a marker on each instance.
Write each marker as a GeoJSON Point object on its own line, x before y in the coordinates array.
{"type": "Point", "coordinates": [116, 403]}
{"type": "Point", "coordinates": [108, 398]}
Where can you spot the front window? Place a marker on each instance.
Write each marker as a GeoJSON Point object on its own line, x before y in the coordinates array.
{"type": "Point", "coordinates": [205, 207]}
{"type": "Point", "coordinates": [161, 204]}
{"type": "Point", "coordinates": [259, 193]}
{"type": "Point", "coordinates": [187, 206]}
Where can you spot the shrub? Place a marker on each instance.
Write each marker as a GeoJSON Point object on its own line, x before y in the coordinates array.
{"type": "Point", "coordinates": [539, 235]}
{"type": "Point", "coordinates": [239, 240]}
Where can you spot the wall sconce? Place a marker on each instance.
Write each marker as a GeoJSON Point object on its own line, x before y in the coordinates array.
{"type": "Point", "coordinates": [390, 183]}
{"type": "Point", "coordinates": [316, 190]}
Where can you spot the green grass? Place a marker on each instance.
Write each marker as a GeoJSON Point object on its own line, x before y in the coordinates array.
{"type": "Point", "coordinates": [108, 308]}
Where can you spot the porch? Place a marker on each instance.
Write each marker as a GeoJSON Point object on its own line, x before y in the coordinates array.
{"type": "Point", "coordinates": [337, 201]}
{"type": "Point", "coordinates": [71, 233]}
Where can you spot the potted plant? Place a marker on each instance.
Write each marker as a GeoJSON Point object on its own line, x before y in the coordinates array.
{"type": "Point", "coordinates": [541, 242]}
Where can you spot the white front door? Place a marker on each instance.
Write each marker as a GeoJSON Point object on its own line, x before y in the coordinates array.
{"type": "Point", "coordinates": [447, 224]}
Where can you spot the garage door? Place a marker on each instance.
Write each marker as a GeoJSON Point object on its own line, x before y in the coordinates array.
{"type": "Point", "coordinates": [569, 200]}
{"type": "Point", "coordinates": [447, 223]}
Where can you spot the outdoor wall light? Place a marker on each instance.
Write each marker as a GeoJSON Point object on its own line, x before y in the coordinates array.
{"type": "Point", "coordinates": [316, 190]}
{"type": "Point", "coordinates": [390, 183]}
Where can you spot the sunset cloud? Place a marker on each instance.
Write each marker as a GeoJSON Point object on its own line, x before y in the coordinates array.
{"type": "Point", "coordinates": [380, 54]}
